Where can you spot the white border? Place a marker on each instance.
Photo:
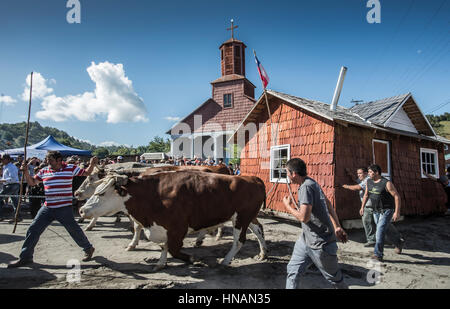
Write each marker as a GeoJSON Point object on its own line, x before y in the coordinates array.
{"type": "Point", "coordinates": [436, 158]}
{"type": "Point", "coordinates": [288, 146]}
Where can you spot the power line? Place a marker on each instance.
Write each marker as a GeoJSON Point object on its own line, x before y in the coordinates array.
{"type": "Point", "coordinates": [377, 65]}
{"type": "Point", "coordinates": [438, 107]}
{"type": "Point", "coordinates": [427, 66]}
{"type": "Point", "coordinates": [412, 45]}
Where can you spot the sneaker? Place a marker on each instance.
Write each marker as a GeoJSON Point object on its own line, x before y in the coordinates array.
{"type": "Point", "coordinates": [20, 263]}
{"type": "Point", "coordinates": [398, 249]}
{"type": "Point", "coordinates": [88, 254]}
{"type": "Point", "coordinates": [369, 244]}
{"type": "Point", "coordinates": [376, 258]}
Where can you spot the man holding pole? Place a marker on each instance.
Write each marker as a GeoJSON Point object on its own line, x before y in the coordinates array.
{"type": "Point", "coordinates": [57, 179]}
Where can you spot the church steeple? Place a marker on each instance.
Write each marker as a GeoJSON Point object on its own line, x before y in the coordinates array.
{"type": "Point", "coordinates": [232, 55]}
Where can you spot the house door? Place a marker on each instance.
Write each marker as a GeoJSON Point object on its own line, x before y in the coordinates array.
{"type": "Point", "coordinates": [382, 156]}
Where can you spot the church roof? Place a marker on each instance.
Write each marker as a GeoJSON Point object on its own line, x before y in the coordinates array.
{"type": "Point", "coordinates": [231, 77]}
{"type": "Point", "coordinates": [232, 40]}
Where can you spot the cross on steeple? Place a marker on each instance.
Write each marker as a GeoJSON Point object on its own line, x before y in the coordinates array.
{"type": "Point", "coordinates": [232, 29]}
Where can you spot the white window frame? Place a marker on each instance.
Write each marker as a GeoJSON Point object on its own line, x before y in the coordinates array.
{"type": "Point", "coordinates": [436, 161]}
{"type": "Point", "coordinates": [277, 148]}
{"type": "Point", "coordinates": [389, 173]}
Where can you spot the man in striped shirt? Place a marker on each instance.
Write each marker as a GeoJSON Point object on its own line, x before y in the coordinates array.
{"type": "Point", "coordinates": [57, 179]}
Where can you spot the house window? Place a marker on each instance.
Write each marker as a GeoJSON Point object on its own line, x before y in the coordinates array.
{"type": "Point", "coordinates": [221, 54]}
{"type": "Point", "coordinates": [429, 162]}
{"type": "Point", "coordinates": [227, 100]}
{"type": "Point", "coordinates": [279, 156]}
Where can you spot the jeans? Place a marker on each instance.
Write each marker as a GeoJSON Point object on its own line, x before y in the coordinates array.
{"type": "Point", "coordinates": [369, 225]}
{"type": "Point", "coordinates": [325, 260]}
{"type": "Point", "coordinates": [384, 227]}
{"type": "Point", "coordinates": [44, 218]}
{"type": "Point", "coordinates": [10, 189]}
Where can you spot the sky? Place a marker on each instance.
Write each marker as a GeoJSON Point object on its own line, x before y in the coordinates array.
{"type": "Point", "coordinates": [130, 69]}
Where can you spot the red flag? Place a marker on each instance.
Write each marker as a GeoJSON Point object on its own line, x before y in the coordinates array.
{"type": "Point", "coordinates": [262, 73]}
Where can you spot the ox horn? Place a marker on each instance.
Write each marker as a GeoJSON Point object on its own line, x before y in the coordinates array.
{"type": "Point", "coordinates": [121, 180]}
{"type": "Point", "coordinates": [107, 182]}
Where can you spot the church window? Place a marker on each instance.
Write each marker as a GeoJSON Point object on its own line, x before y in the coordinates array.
{"type": "Point", "coordinates": [227, 100]}
{"type": "Point", "coordinates": [237, 51]}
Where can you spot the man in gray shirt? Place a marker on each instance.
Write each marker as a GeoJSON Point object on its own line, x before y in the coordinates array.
{"type": "Point", "coordinates": [368, 218]}
{"type": "Point", "coordinates": [368, 221]}
{"type": "Point", "coordinates": [320, 225]}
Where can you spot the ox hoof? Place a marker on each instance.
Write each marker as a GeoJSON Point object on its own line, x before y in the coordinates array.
{"type": "Point", "coordinates": [158, 267]}
{"type": "Point", "coordinates": [130, 248]}
{"type": "Point", "coordinates": [88, 229]}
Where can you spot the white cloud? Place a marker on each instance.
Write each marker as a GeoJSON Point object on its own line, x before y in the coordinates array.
{"type": "Point", "coordinates": [85, 141]}
{"type": "Point", "coordinates": [40, 88]}
{"type": "Point", "coordinates": [110, 143]}
{"type": "Point", "coordinates": [170, 118]}
{"type": "Point", "coordinates": [7, 100]}
{"type": "Point", "coordinates": [113, 98]}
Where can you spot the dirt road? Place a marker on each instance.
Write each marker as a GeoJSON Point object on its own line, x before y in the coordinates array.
{"type": "Point", "coordinates": [425, 262]}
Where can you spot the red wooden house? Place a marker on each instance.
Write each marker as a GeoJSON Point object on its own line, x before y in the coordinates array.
{"type": "Point", "coordinates": [392, 132]}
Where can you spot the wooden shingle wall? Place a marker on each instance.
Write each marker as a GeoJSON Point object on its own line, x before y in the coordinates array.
{"type": "Point", "coordinates": [311, 139]}
{"type": "Point", "coordinates": [354, 149]}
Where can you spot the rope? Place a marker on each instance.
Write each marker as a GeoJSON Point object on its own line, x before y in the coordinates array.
{"type": "Point", "coordinates": [292, 197]}
{"type": "Point", "coordinates": [37, 196]}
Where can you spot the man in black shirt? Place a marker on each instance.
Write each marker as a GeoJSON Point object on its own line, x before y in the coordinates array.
{"type": "Point", "coordinates": [386, 203]}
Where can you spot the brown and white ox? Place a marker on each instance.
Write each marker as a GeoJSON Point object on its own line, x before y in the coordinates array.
{"type": "Point", "coordinates": [87, 189]}
{"type": "Point", "coordinates": [171, 204]}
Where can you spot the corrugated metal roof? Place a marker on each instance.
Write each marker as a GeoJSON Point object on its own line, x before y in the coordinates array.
{"type": "Point", "coordinates": [379, 111]}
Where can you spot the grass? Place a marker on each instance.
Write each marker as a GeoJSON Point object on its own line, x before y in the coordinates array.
{"type": "Point", "coordinates": [444, 129]}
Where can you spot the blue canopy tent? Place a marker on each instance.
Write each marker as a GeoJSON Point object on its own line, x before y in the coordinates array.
{"type": "Point", "coordinates": [48, 144]}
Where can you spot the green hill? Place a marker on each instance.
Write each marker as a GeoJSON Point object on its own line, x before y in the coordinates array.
{"type": "Point", "coordinates": [12, 135]}
{"type": "Point", "coordinates": [444, 129]}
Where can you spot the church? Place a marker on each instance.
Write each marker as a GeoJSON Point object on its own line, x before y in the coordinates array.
{"type": "Point", "coordinates": [204, 132]}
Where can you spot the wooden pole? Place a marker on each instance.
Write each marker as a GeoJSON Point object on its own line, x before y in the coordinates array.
{"type": "Point", "coordinates": [24, 156]}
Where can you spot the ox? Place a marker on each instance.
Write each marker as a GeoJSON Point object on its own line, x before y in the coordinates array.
{"type": "Point", "coordinates": [87, 189]}
{"type": "Point", "coordinates": [171, 204]}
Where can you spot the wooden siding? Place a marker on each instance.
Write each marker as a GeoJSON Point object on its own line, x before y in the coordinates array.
{"type": "Point", "coordinates": [354, 149]}
{"type": "Point", "coordinates": [319, 141]}
{"type": "Point", "coordinates": [311, 139]}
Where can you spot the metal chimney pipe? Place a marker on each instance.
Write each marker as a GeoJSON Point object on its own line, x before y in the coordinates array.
{"type": "Point", "coordinates": [337, 91]}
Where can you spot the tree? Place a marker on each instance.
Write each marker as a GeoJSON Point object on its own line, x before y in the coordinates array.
{"type": "Point", "coordinates": [235, 152]}
{"type": "Point", "coordinates": [101, 152]}
{"type": "Point", "coordinates": [158, 144]}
